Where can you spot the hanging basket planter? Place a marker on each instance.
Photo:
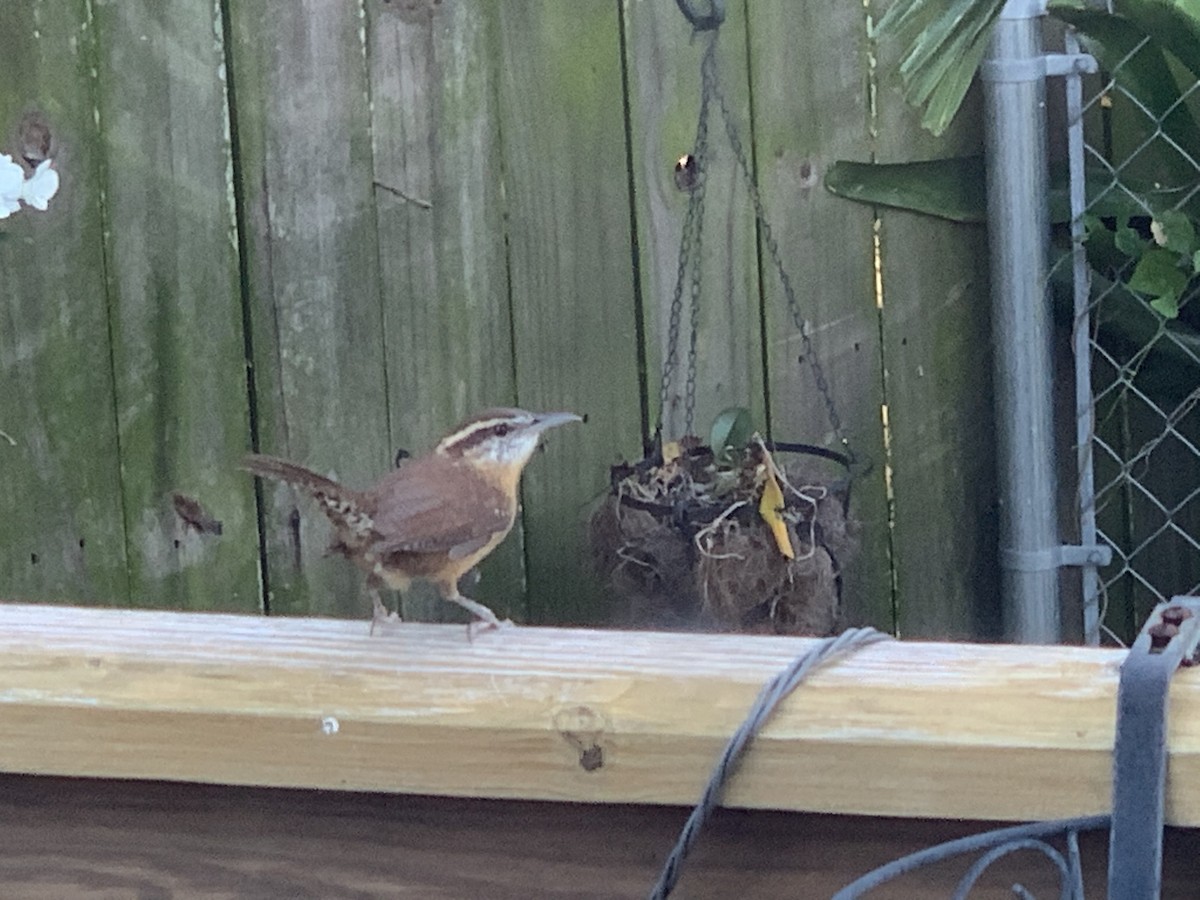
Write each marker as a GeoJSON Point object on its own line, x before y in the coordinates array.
{"type": "Point", "coordinates": [688, 542]}
{"type": "Point", "coordinates": [736, 539]}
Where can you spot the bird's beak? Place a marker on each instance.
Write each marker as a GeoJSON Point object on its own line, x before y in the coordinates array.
{"type": "Point", "coordinates": [544, 421]}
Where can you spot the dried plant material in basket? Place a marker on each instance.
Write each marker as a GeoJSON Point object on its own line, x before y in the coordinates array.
{"type": "Point", "coordinates": [684, 545]}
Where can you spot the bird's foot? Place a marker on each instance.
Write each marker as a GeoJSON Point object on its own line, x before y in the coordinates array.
{"type": "Point", "coordinates": [380, 615]}
{"type": "Point", "coordinates": [482, 624]}
{"type": "Point", "coordinates": [484, 620]}
{"type": "Point", "coordinates": [383, 621]}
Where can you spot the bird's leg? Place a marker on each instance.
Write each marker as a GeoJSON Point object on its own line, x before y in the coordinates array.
{"type": "Point", "coordinates": [380, 614]}
{"type": "Point", "coordinates": [483, 616]}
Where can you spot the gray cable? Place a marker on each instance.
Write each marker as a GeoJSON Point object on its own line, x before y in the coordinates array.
{"type": "Point", "coordinates": [768, 699]}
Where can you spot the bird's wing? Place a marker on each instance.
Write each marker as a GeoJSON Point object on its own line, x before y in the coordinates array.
{"type": "Point", "coordinates": [448, 512]}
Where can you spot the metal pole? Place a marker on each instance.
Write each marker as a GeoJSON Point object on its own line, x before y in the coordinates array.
{"type": "Point", "coordinates": [1085, 413]}
{"type": "Point", "coordinates": [1014, 77]}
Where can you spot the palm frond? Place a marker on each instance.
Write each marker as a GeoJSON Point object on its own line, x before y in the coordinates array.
{"type": "Point", "coordinates": [946, 43]}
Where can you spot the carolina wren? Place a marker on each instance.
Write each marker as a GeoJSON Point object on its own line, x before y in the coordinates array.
{"type": "Point", "coordinates": [434, 516]}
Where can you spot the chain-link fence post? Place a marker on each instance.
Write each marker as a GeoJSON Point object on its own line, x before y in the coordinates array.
{"type": "Point", "coordinates": [1018, 231]}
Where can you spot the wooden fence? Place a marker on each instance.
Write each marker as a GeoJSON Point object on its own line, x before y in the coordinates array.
{"type": "Point", "coordinates": [334, 228]}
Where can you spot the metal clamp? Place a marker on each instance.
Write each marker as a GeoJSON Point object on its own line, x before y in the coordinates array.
{"type": "Point", "coordinates": [1168, 639]}
{"type": "Point", "coordinates": [1035, 68]}
{"type": "Point", "coordinates": [1055, 557]}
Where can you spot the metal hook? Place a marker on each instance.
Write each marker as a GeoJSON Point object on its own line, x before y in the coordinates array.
{"type": "Point", "coordinates": [710, 22]}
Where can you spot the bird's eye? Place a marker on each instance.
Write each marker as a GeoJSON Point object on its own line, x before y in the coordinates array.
{"type": "Point", "coordinates": [501, 430]}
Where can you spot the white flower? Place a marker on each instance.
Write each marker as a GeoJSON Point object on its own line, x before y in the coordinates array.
{"type": "Point", "coordinates": [41, 186]}
{"type": "Point", "coordinates": [12, 183]}
{"type": "Point", "coordinates": [14, 188]}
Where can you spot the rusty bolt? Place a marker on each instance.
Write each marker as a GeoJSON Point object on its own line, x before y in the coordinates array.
{"type": "Point", "coordinates": [1174, 615]}
{"type": "Point", "coordinates": [1161, 635]}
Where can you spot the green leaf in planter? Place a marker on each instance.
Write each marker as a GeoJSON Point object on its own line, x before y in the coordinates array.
{"type": "Point", "coordinates": [732, 427]}
{"type": "Point", "coordinates": [1174, 230]}
{"type": "Point", "coordinates": [1158, 274]}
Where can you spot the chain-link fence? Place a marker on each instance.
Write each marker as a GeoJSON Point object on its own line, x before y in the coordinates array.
{"type": "Point", "coordinates": [1135, 277]}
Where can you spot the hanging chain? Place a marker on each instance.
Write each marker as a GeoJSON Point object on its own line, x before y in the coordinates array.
{"type": "Point", "coordinates": [690, 262]}
{"type": "Point", "coordinates": [772, 244]}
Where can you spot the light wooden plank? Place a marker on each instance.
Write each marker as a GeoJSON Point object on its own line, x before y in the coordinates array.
{"type": "Point", "coordinates": [970, 731]}
{"type": "Point", "coordinates": [303, 130]}
{"type": "Point", "coordinates": [444, 275]}
{"type": "Point", "coordinates": [936, 330]}
{"type": "Point", "coordinates": [811, 108]}
{"type": "Point", "coordinates": [572, 282]}
{"type": "Point", "coordinates": [664, 102]}
{"type": "Point", "coordinates": [62, 534]}
{"type": "Point", "coordinates": [176, 303]}
{"type": "Point", "coordinates": [191, 841]}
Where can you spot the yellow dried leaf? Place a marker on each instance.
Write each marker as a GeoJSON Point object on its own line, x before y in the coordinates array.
{"type": "Point", "coordinates": [671, 451]}
{"type": "Point", "coordinates": [770, 507]}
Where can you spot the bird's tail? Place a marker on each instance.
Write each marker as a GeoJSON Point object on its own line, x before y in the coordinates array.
{"type": "Point", "coordinates": [343, 506]}
{"type": "Point", "coordinates": [324, 489]}
{"type": "Point", "coordinates": [290, 472]}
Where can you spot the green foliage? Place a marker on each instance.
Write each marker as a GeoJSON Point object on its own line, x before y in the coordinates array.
{"type": "Point", "coordinates": [1136, 234]}
{"type": "Point", "coordinates": [1175, 231]}
{"type": "Point", "coordinates": [1158, 276]}
{"type": "Point", "coordinates": [946, 45]}
{"type": "Point", "coordinates": [947, 41]}
{"type": "Point", "coordinates": [1164, 266]}
{"type": "Point", "coordinates": [951, 189]}
{"type": "Point", "coordinates": [731, 430]}
{"type": "Point", "coordinates": [955, 189]}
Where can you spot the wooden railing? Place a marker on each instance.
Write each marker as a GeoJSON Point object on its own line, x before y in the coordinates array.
{"type": "Point", "coordinates": [896, 729]}
{"type": "Point", "coordinates": [931, 734]}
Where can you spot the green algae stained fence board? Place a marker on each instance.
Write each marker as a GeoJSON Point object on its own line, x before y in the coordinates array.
{"type": "Point", "coordinates": [435, 131]}
{"type": "Point", "coordinates": [175, 307]}
{"type": "Point", "coordinates": [441, 206]}
{"type": "Point", "coordinates": [575, 321]}
{"type": "Point", "coordinates": [663, 65]}
{"type": "Point", "coordinates": [935, 324]}
{"type": "Point", "coordinates": [62, 537]}
{"type": "Point", "coordinates": [812, 108]}
{"type": "Point", "coordinates": [302, 113]}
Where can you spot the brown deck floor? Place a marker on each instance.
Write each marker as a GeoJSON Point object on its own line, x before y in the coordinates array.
{"type": "Point", "coordinates": [72, 838]}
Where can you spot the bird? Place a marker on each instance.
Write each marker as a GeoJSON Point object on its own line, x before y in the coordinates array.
{"type": "Point", "coordinates": [435, 516]}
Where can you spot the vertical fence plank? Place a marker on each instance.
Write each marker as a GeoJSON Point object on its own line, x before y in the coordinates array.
{"type": "Point", "coordinates": [301, 106]}
{"type": "Point", "coordinates": [811, 108]}
{"type": "Point", "coordinates": [441, 237]}
{"type": "Point", "coordinates": [936, 330]}
{"type": "Point", "coordinates": [566, 194]}
{"type": "Point", "coordinates": [62, 536]}
{"type": "Point", "coordinates": [664, 102]}
{"type": "Point", "coordinates": [176, 304]}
